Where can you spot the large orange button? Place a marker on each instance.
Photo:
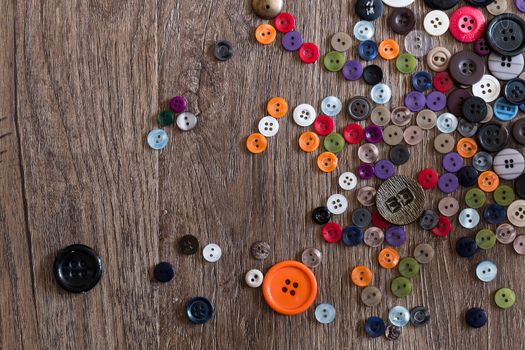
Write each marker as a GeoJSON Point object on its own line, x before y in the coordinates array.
{"type": "Point", "coordinates": [308, 141]}
{"type": "Point", "coordinates": [467, 147]}
{"type": "Point", "coordinates": [265, 34]}
{"type": "Point", "coordinates": [388, 258]}
{"type": "Point", "coordinates": [289, 287]}
{"type": "Point", "coordinates": [388, 49]}
{"type": "Point", "coordinates": [256, 143]}
{"type": "Point", "coordinates": [361, 276]}
{"type": "Point", "coordinates": [277, 107]}
{"type": "Point", "coordinates": [488, 181]}
{"type": "Point", "coordinates": [327, 162]}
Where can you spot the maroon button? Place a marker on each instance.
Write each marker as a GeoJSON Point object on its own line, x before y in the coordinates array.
{"type": "Point", "coordinates": [466, 67]}
{"type": "Point", "coordinates": [379, 221]}
{"type": "Point", "coordinates": [455, 101]}
{"type": "Point", "coordinates": [323, 125]}
{"type": "Point", "coordinates": [443, 82]}
{"type": "Point", "coordinates": [443, 227]}
{"type": "Point", "coordinates": [353, 133]}
{"type": "Point", "coordinates": [402, 20]}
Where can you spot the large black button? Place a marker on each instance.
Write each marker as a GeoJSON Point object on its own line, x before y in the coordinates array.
{"type": "Point", "coordinates": [372, 74]}
{"type": "Point", "coordinates": [467, 176]}
{"type": "Point", "coordinates": [163, 272]}
{"type": "Point", "coordinates": [518, 131]}
{"type": "Point", "coordinates": [188, 244]}
{"type": "Point", "coordinates": [505, 34]}
{"type": "Point", "coordinates": [223, 50]}
{"type": "Point", "coordinates": [399, 154]}
{"type": "Point", "coordinates": [77, 268]}
{"type": "Point", "coordinates": [474, 109]}
{"type": "Point", "coordinates": [321, 215]}
{"type": "Point", "coordinates": [402, 20]}
{"type": "Point", "coordinates": [519, 186]}
{"type": "Point", "coordinates": [493, 137]}
{"type": "Point", "coordinates": [369, 10]}
{"type": "Point", "coordinates": [515, 91]}
{"type": "Point", "coordinates": [441, 4]}
{"type": "Point", "coordinates": [199, 310]}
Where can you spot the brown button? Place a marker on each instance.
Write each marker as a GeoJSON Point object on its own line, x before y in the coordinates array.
{"type": "Point", "coordinates": [413, 135]}
{"type": "Point", "coordinates": [371, 296]}
{"type": "Point", "coordinates": [267, 9]}
{"type": "Point", "coordinates": [490, 114]}
{"type": "Point", "coordinates": [402, 20]}
{"type": "Point", "coordinates": [505, 233]}
{"type": "Point", "coordinates": [444, 143]}
{"type": "Point", "coordinates": [448, 206]}
{"type": "Point", "coordinates": [368, 153]}
{"type": "Point", "coordinates": [426, 119]}
{"type": "Point", "coordinates": [392, 135]}
{"type": "Point", "coordinates": [466, 67]}
{"type": "Point", "coordinates": [311, 257]}
{"type": "Point", "coordinates": [341, 42]}
{"type": "Point", "coordinates": [401, 116]}
{"type": "Point", "coordinates": [424, 253]}
{"type": "Point", "coordinates": [260, 250]}
{"type": "Point", "coordinates": [380, 116]}
{"type": "Point", "coordinates": [518, 131]}
{"type": "Point", "coordinates": [516, 213]}
{"type": "Point", "coordinates": [455, 101]}
{"type": "Point", "coordinates": [519, 244]}
{"type": "Point", "coordinates": [366, 195]}
{"type": "Point", "coordinates": [438, 58]}
{"type": "Point", "coordinates": [400, 200]}
{"type": "Point", "coordinates": [373, 236]}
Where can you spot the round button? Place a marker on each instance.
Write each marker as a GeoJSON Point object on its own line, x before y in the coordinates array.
{"type": "Point", "coordinates": [188, 244]}
{"type": "Point", "coordinates": [421, 81]}
{"type": "Point", "coordinates": [292, 41]}
{"type": "Point", "coordinates": [334, 142]}
{"type": "Point", "coordinates": [468, 218]}
{"type": "Point", "coordinates": [371, 296]}
{"type": "Point", "coordinates": [284, 22]}
{"type": "Point", "coordinates": [324, 125]}
{"type": "Point", "coordinates": [373, 134]}
{"type": "Point", "coordinates": [415, 101]}
{"type": "Point", "coordinates": [277, 107]}
{"type": "Point", "coordinates": [504, 195]}
{"type": "Point", "coordinates": [400, 200]}
{"type": "Point", "coordinates": [426, 119]}
{"type": "Point", "coordinates": [369, 10]}
{"type": "Point", "coordinates": [163, 272]}
{"type": "Point", "coordinates": [268, 126]}
{"type": "Point", "coordinates": [467, 24]}
{"type": "Point", "coordinates": [254, 278]}
{"type": "Point", "coordinates": [505, 34]}
{"type": "Point", "coordinates": [436, 101]}
{"type": "Point", "coordinates": [372, 74]}
{"type": "Point", "coordinates": [366, 195]}
{"type": "Point", "coordinates": [418, 43]}
{"type": "Point", "coordinates": [380, 116]}
{"type": "Point", "coordinates": [165, 118]}
{"type": "Point", "coordinates": [321, 215]}
{"type": "Point", "coordinates": [481, 47]}
{"type": "Point", "coordinates": [476, 317]}
{"type": "Point", "coordinates": [361, 217]}
{"type": "Point", "coordinates": [331, 106]}
{"type": "Point", "coordinates": [353, 133]}
{"type": "Point", "coordinates": [448, 183]}
{"type": "Point", "coordinates": [311, 257]}
{"type": "Point", "coordinates": [466, 128]}
{"type": "Point", "coordinates": [401, 116]}
{"type": "Point", "coordinates": [474, 109]}
{"type": "Point", "coordinates": [503, 110]}
{"type": "Point", "coordinates": [260, 250]}
{"type": "Point", "coordinates": [374, 327]}
{"type": "Point", "coordinates": [492, 137]}
{"type": "Point", "coordinates": [399, 315]}
{"type": "Point", "coordinates": [337, 204]}
{"type": "Point", "coordinates": [519, 244]}
{"type": "Point", "coordinates": [334, 61]}
{"type": "Point", "coordinates": [388, 258]}
{"type": "Point", "coordinates": [309, 142]}
{"type": "Point", "coordinates": [352, 70]}
{"type": "Point", "coordinates": [361, 276]}
{"type": "Point", "coordinates": [467, 176]}
{"type": "Point", "coordinates": [444, 143]}
{"type": "Point", "coordinates": [485, 239]}
{"type": "Point", "coordinates": [352, 236]}
{"type": "Point", "coordinates": [265, 34]}
{"type": "Point", "coordinates": [466, 247]}
{"type": "Point", "coordinates": [388, 49]}
{"type": "Point", "coordinates": [384, 169]}
{"type": "Point", "coordinates": [428, 220]}
{"type": "Point", "coordinates": [398, 3]}
{"type": "Point", "coordinates": [505, 298]}
{"type": "Point", "coordinates": [395, 236]}
{"type": "Point", "coordinates": [413, 135]}
{"type": "Point", "coordinates": [308, 53]}
{"type": "Point", "coordinates": [518, 131]}
{"type": "Point", "coordinates": [347, 181]}
{"type": "Point", "coordinates": [448, 206]}
{"type": "Point", "coordinates": [367, 50]}
{"type": "Point", "coordinates": [77, 268]}
{"type": "Point", "coordinates": [475, 198]}
{"type": "Point", "coordinates": [368, 153]}
{"type": "Point", "coordinates": [199, 310]}
{"type": "Point", "coordinates": [222, 51]}
{"type": "Point", "coordinates": [519, 186]}
{"type": "Point", "coordinates": [379, 221]}
{"type": "Point", "coordinates": [212, 252]}
{"type": "Point", "coordinates": [359, 108]}
{"type": "Point", "coordinates": [516, 213]}
{"type": "Point", "coordinates": [482, 161]}
{"type": "Point", "coordinates": [267, 9]}
{"type": "Point", "coordinates": [406, 63]}
{"type": "Point", "coordinates": [304, 115]}
{"type": "Point", "coordinates": [424, 253]}
{"type": "Point", "coordinates": [494, 214]}
{"type": "Point", "coordinates": [393, 135]}
{"type": "Point", "coordinates": [364, 30]}
{"type": "Point", "coordinates": [178, 104]}
{"type": "Point", "coordinates": [399, 154]}
{"type": "Point", "coordinates": [505, 67]}
{"type": "Point", "coordinates": [452, 162]}
{"type": "Point", "coordinates": [401, 287]}
{"type": "Point", "coordinates": [488, 88]}
{"type": "Point", "coordinates": [408, 267]}
{"type": "Point", "coordinates": [466, 67]}
{"type": "Point", "coordinates": [515, 91]}
{"type": "Point", "coordinates": [325, 313]}
{"type": "Point", "coordinates": [497, 7]}
{"type": "Point", "coordinates": [438, 58]}
{"type": "Point", "coordinates": [443, 82]}
{"type": "Point", "coordinates": [341, 42]}
{"type": "Point", "coordinates": [380, 93]}
{"type": "Point", "coordinates": [157, 139]}
{"type": "Point", "coordinates": [443, 228]}
{"type": "Point", "coordinates": [509, 164]}
{"type": "Point", "coordinates": [488, 181]}
{"type": "Point", "coordinates": [332, 232]}
{"type": "Point", "coordinates": [256, 143]}
{"type": "Point", "coordinates": [447, 123]}
{"type": "Point", "coordinates": [402, 20]}
{"type": "Point", "coordinates": [505, 233]}
{"type": "Point", "coordinates": [467, 147]}
{"type": "Point", "coordinates": [373, 237]}
{"type": "Point", "coordinates": [419, 316]}
{"type": "Point", "coordinates": [436, 23]}
{"type": "Point", "coordinates": [441, 4]}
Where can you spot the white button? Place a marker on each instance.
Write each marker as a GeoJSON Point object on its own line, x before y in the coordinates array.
{"type": "Point", "coordinates": [447, 123]}
{"type": "Point", "coordinates": [436, 23]}
{"type": "Point", "coordinates": [399, 316]}
{"type": "Point", "coordinates": [505, 67]}
{"type": "Point", "coordinates": [398, 3]}
{"type": "Point", "coordinates": [488, 88]}
{"type": "Point", "coordinates": [497, 7]}
{"type": "Point", "coordinates": [268, 126]}
{"type": "Point", "coordinates": [212, 252]}
{"type": "Point", "coordinates": [304, 115]}
{"type": "Point", "coordinates": [486, 271]}
{"type": "Point", "coordinates": [364, 30]}
{"type": "Point", "coordinates": [254, 278]}
{"type": "Point", "coordinates": [337, 204]}
{"type": "Point", "coordinates": [347, 181]}
{"type": "Point", "coordinates": [469, 218]}
{"type": "Point", "coordinates": [157, 139]}
{"type": "Point", "coordinates": [508, 164]}
{"type": "Point", "coordinates": [186, 121]}
{"type": "Point", "coordinates": [331, 106]}
{"type": "Point", "coordinates": [381, 93]}
{"type": "Point", "coordinates": [325, 313]}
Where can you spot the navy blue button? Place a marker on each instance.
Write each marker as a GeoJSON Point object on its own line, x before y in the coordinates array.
{"type": "Point", "coordinates": [77, 268]}
{"type": "Point", "coordinates": [199, 310]}
{"type": "Point", "coordinates": [375, 327]}
{"type": "Point", "coordinates": [467, 176]}
{"type": "Point", "coordinates": [352, 235]}
{"type": "Point", "coordinates": [515, 91]}
{"type": "Point", "coordinates": [422, 81]}
{"type": "Point", "coordinates": [476, 317]}
{"type": "Point", "coordinates": [369, 10]}
{"type": "Point", "coordinates": [466, 247]}
{"type": "Point", "coordinates": [163, 272]}
{"type": "Point", "coordinates": [367, 50]}
{"type": "Point", "coordinates": [494, 214]}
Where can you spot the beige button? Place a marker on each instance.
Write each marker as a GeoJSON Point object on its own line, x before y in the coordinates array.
{"type": "Point", "coordinates": [341, 42]}
{"type": "Point", "coordinates": [444, 143]}
{"type": "Point", "coordinates": [490, 114]}
{"type": "Point", "coordinates": [311, 257]}
{"type": "Point", "coordinates": [393, 135]}
{"type": "Point", "coordinates": [426, 119]}
{"type": "Point", "coordinates": [438, 58]}
{"type": "Point", "coordinates": [371, 296]}
{"type": "Point", "coordinates": [380, 116]}
{"type": "Point", "coordinates": [516, 213]}
{"type": "Point", "coordinates": [519, 244]}
{"type": "Point", "coordinates": [497, 7]}
{"type": "Point", "coordinates": [413, 135]}
{"type": "Point", "coordinates": [373, 237]}
{"type": "Point", "coordinates": [505, 233]}
{"type": "Point", "coordinates": [401, 116]}
{"type": "Point", "coordinates": [267, 9]}
{"type": "Point", "coordinates": [368, 153]}
{"type": "Point", "coordinates": [424, 253]}
{"type": "Point", "coordinates": [448, 206]}
{"type": "Point", "coordinates": [522, 76]}
{"type": "Point", "coordinates": [366, 195]}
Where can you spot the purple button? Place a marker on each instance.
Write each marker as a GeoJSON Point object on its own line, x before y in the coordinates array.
{"type": "Point", "coordinates": [520, 5]}
{"type": "Point", "coordinates": [415, 101]}
{"type": "Point", "coordinates": [178, 104]}
{"type": "Point", "coordinates": [365, 171]}
{"type": "Point", "coordinates": [436, 101]}
{"type": "Point", "coordinates": [352, 70]}
{"type": "Point", "coordinates": [395, 236]}
{"type": "Point", "coordinates": [481, 47]}
{"type": "Point", "coordinates": [452, 162]}
{"type": "Point", "coordinates": [373, 134]}
{"type": "Point", "coordinates": [292, 41]}
{"type": "Point", "coordinates": [384, 169]}
{"type": "Point", "coordinates": [448, 183]}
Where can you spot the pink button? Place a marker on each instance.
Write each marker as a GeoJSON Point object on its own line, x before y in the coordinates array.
{"type": "Point", "coordinates": [467, 24]}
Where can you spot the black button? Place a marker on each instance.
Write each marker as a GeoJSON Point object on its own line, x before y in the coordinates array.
{"type": "Point", "coordinates": [402, 20]}
{"type": "Point", "coordinates": [223, 50]}
{"type": "Point", "coordinates": [321, 215]}
{"type": "Point", "coordinates": [467, 176]}
{"type": "Point", "coordinates": [199, 310]}
{"type": "Point", "coordinates": [493, 137]}
{"type": "Point", "coordinates": [359, 108]}
{"type": "Point", "coordinates": [372, 74]}
{"type": "Point", "coordinates": [515, 91]}
{"type": "Point", "coordinates": [77, 268]}
{"type": "Point", "coordinates": [479, 3]}
{"type": "Point", "coordinates": [474, 109]}
{"type": "Point", "coordinates": [519, 186]}
{"type": "Point", "coordinates": [419, 316]}
{"type": "Point", "coordinates": [455, 101]}
{"type": "Point", "coordinates": [494, 214]}
{"type": "Point", "coordinates": [466, 128]}
{"type": "Point", "coordinates": [466, 247]}
{"type": "Point", "coordinates": [466, 67]}
{"type": "Point", "coordinates": [505, 34]}
{"type": "Point", "coordinates": [163, 272]}
{"type": "Point", "coordinates": [369, 10]}
{"type": "Point", "coordinates": [188, 244]}
{"type": "Point", "coordinates": [518, 131]}
{"type": "Point", "coordinates": [399, 154]}
{"type": "Point", "coordinates": [476, 317]}
{"type": "Point", "coordinates": [428, 220]}
{"type": "Point", "coordinates": [441, 4]}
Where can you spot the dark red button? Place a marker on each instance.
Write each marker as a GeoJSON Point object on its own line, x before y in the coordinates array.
{"type": "Point", "coordinates": [332, 232]}
{"type": "Point", "coordinates": [443, 82]}
{"type": "Point", "coordinates": [428, 178]}
{"type": "Point", "coordinates": [323, 125]}
{"type": "Point", "coordinates": [443, 227]}
{"type": "Point", "coordinates": [308, 52]}
{"type": "Point", "coordinates": [467, 24]}
{"type": "Point", "coordinates": [353, 133]}
{"type": "Point", "coordinates": [284, 22]}
{"type": "Point", "coordinates": [379, 221]}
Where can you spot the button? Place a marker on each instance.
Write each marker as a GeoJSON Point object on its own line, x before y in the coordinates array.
{"type": "Point", "coordinates": [284, 22]}
{"type": "Point", "coordinates": [455, 101]}
{"type": "Point", "coordinates": [389, 257]}
{"type": "Point", "coordinates": [505, 67]}
{"type": "Point", "coordinates": [488, 88]}
{"type": "Point", "coordinates": [375, 327]}
{"type": "Point", "coordinates": [418, 43]}
{"type": "Point", "coordinates": [415, 101]}
{"type": "Point", "coordinates": [468, 176]}
{"type": "Point", "coordinates": [448, 183]}
{"type": "Point", "coordinates": [485, 239]}
{"type": "Point", "coordinates": [352, 70]}
{"type": "Point", "coordinates": [368, 153]}
{"type": "Point", "coordinates": [347, 181]}
{"type": "Point", "coordinates": [428, 220]}
{"type": "Point", "coordinates": [467, 24]}
{"type": "Point", "coordinates": [222, 51]}
{"type": "Point", "coordinates": [398, 3]}
{"type": "Point", "coordinates": [212, 252]}
{"type": "Point", "coordinates": [481, 47]}
{"type": "Point", "coordinates": [401, 116]}
{"type": "Point", "coordinates": [165, 118]}
{"type": "Point", "coordinates": [503, 110]}
{"type": "Point", "coordinates": [256, 143]}
{"type": "Point", "coordinates": [475, 198]}
{"type": "Point", "coordinates": [395, 236]}
{"type": "Point", "coordinates": [277, 107]}
{"type": "Point", "coordinates": [424, 253]}
{"type": "Point", "coordinates": [509, 164]}
{"type": "Point", "coordinates": [408, 267]}
{"type": "Point", "coordinates": [321, 215]}
{"type": "Point", "coordinates": [438, 58]}
{"type": "Point", "coordinates": [426, 119]}
{"type": "Point", "coordinates": [369, 10]}
{"type": "Point", "coordinates": [447, 123]}
{"type": "Point", "coordinates": [366, 196]}
{"type": "Point", "coordinates": [466, 128]}
{"type": "Point", "coordinates": [413, 135]}
{"type": "Point", "coordinates": [467, 147]}
{"type": "Point", "coordinates": [519, 244]}
{"type": "Point", "coordinates": [436, 101]}
{"type": "Point", "coordinates": [492, 137]}
{"type": "Point", "coordinates": [468, 218]}
{"type": "Point", "coordinates": [341, 42]}
{"type": "Point", "coordinates": [519, 186]}
{"type": "Point", "coordinates": [443, 82]}
{"type": "Point", "coordinates": [504, 195]}
{"type": "Point", "coordinates": [331, 106]}
{"type": "Point", "coordinates": [381, 93]}
{"type": "Point", "coordinates": [372, 74]}
{"type": "Point", "coordinates": [399, 316]}
{"type": "Point", "coordinates": [157, 139]}
{"type": "Point", "coordinates": [406, 63]}
{"type": "Point", "coordinates": [505, 298]}
{"type": "Point", "coordinates": [334, 61]}
{"type": "Point", "coordinates": [267, 9]}
{"type": "Point", "coordinates": [254, 278]}
{"type": "Point", "coordinates": [400, 200]}
{"type": "Point", "coordinates": [353, 133]}
{"type": "Point", "coordinates": [334, 142]}
{"type": "Point", "coordinates": [77, 268]}
{"type": "Point", "coordinates": [289, 287]}
{"type": "Point", "coordinates": [188, 244]}
{"type": "Point", "coordinates": [441, 4]}
{"type": "Point", "coordinates": [422, 81]}
{"type": "Point", "coordinates": [308, 53]}
{"type": "Point", "coordinates": [352, 236]}
{"type": "Point", "coordinates": [488, 181]}
{"type": "Point", "coordinates": [474, 109]}
{"type": "Point", "coordinates": [292, 41]}
{"type": "Point", "coordinates": [311, 257]}
{"type": "Point", "coordinates": [388, 49]}
{"type": "Point", "coordinates": [304, 115]}
{"type": "Point", "coordinates": [443, 228]}
{"type": "Point", "coordinates": [448, 206]}
{"type": "Point", "coordinates": [371, 296]}
{"type": "Point", "coordinates": [505, 233]}
{"type": "Point", "coordinates": [373, 134]}
{"type": "Point", "coordinates": [401, 287]}
{"type": "Point", "coordinates": [402, 20]}
{"type": "Point", "coordinates": [324, 125]}
{"type": "Point", "coordinates": [505, 34]}
{"type": "Point", "coordinates": [466, 67]}
{"type": "Point", "coordinates": [373, 237]}
{"type": "Point", "coordinates": [444, 143]}
{"type": "Point", "coordinates": [325, 313]}
{"type": "Point", "coordinates": [309, 142]}
{"type": "Point", "coordinates": [379, 221]}
{"type": "Point", "coordinates": [515, 91]}
{"type": "Point", "coordinates": [419, 316]}
{"type": "Point", "coordinates": [163, 272]}
{"type": "Point", "coordinates": [520, 5]}
{"type": "Point", "coordinates": [392, 332]}
{"type": "Point", "coordinates": [476, 317]}
{"type": "Point", "coordinates": [265, 34]}
{"type": "Point", "coordinates": [361, 217]}
{"type": "Point", "coordinates": [361, 276]}
{"type": "Point", "coordinates": [393, 135]}
{"type": "Point", "coordinates": [516, 213]}
{"type": "Point", "coordinates": [399, 154]}
{"type": "Point", "coordinates": [482, 161]}
{"type": "Point", "coordinates": [384, 169]}
{"type": "Point", "coordinates": [337, 204]}
{"type": "Point", "coordinates": [518, 131]}
{"type": "Point", "coordinates": [268, 126]}
{"type": "Point", "coordinates": [178, 104]}
{"type": "Point", "coordinates": [380, 116]}
{"type": "Point", "coordinates": [359, 108]}
{"type": "Point", "coordinates": [466, 247]}
{"type": "Point", "coordinates": [260, 250]}
{"type": "Point", "coordinates": [436, 23]}
{"type": "Point", "coordinates": [452, 162]}
{"type": "Point", "coordinates": [332, 232]}
{"type": "Point", "coordinates": [364, 30]}
{"type": "Point", "coordinates": [199, 310]}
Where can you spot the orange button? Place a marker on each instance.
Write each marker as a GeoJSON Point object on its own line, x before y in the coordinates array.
{"type": "Point", "coordinates": [277, 107]}
{"type": "Point", "coordinates": [488, 181]}
{"type": "Point", "coordinates": [361, 276]}
{"type": "Point", "coordinates": [388, 258]}
{"type": "Point", "coordinates": [388, 49]}
{"type": "Point", "coordinates": [467, 147]}
{"type": "Point", "coordinates": [289, 287]}
{"type": "Point", "coordinates": [327, 162]}
{"type": "Point", "coordinates": [256, 143]}
{"type": "Point", "coordinates": [265, 34]}
{"type": "Point", "coordinates": [308, 141]}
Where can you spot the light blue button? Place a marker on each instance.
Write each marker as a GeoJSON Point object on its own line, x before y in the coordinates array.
{"type": "Point", "coordinates": [447, 123]}
{"type": "Point", "coordinates": [504, 110]}
{"type": "Point", "coordinates": [468, 218]}
{"type": "Point", "coordinates": [399, 316]}
{"type": "Point", "coordinates": [325, 313]}
{"type": "Point", "coordinates": [486, 271]}
{"type": "Point", "coordinates": [331, 106]}
{"type": "Point", "coordinates": [157, 139]}
{"type": "Point", "coordinates": [381, 93]}
{"type": "Point", "coordinates": [364, 30]}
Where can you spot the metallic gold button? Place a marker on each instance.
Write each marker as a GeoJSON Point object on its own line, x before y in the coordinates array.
{"type": "Point", "coordinates": [368, 153]}
{"type": "Point", "coordinates": [371, 296]}
{"type": "Point", "coordinates": [444, 143]}
{"type": "Point", "coordinates": [267, 9]}
{"type": "Point", "coordinates": [400, 200]}
{"type": "Point", "coordinates": [426, 119]}
{"type": "Point", "coordinates": [366, 195]}
{"type": "Point", "coordinates": [393, 135]}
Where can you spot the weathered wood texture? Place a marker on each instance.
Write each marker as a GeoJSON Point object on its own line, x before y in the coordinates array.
{"type": "Point", "coordinates": [81, 82]}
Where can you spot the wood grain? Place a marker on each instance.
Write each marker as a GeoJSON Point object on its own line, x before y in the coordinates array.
{"type": "Point", "coordinates": [81, 83]}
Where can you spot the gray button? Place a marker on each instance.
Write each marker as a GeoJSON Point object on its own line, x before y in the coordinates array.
{"type": "Point", "coordinates": [424, 253]}
{"type": "Point", "coordinates": [373, 237]}
{"type": "Point", "coordinates": [361, 217]}
{"type": "Point", "coordinates": [186, 121]}
{"type": "Point", "coordinates": [371, 296]}
{"type": "Point", "coordinates": [400, 200]}
{"type": "Point", "coordinates": [466, 128]}
{"type": "Point", "coordinates": [509, 164]}
{"type": "Point", "coordinates": [418, 43]}
{"type": "Point", "coordinates": [260, 250]}
{"type": "Point", "coordinates": [505, 67]}
{"type": "Point", "coordinates": [393, 135]}
{"type": "Point", "coordinates": [366, 195]}
{"type": "Point", "coordinates": [482, 161]}
{"type": "Point", "coordinates": [505, 233]}
{"type": "Point", "coordinates": [469, 218]}
{"type": "Point", "coordinates": [311, 257]}
{"type": "Point", "coordinates": [447, 123]}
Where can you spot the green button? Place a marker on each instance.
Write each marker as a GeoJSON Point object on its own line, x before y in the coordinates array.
{"type": "Point", "coordinates": [334, 61]}
{"type": "Point", "coordinates": [165, 118]}
{"type": "Point", "coordinates": [408, 267]}
{"type": "Point", "coordinates": [485, 239]}
{"type": "Point", "coordinates": [401, 286]}
{"type": "Point", "coordinates": [406, 63]}
{"type": "Point", "coordinates": [475, 198]}
{"type": "Point", "coordinates": [505, 298]}
{"type": "Point", "coordinates": [334, 142]}
{"type": "Point", "coordinates": [504, 195]}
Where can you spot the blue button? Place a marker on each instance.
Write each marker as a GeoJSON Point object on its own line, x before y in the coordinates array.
{"type": "Point", "coordinates": [364, 30]}
{"type": "Point", "coordinates": [466, 247]}
{"type": "Point", "coordinates": [199, 310]}
{"type": "Point", "coordinates": [422, 81]}
{"type": "Point", "coordinates": [352, 235]}
{"type": "Point", "coordinates": [494, 214]}
{"type": "Point", "coordinates": [157, 139]}
{"type": "Point", "coordinates": [399, 316]}
{"type": "Point", "coordinates": [331, 106]}
{"type": "Point", "coordinates": [486, 271]}
{"type": "Point", "coordinates": [163, 272]}
{"type": "Point", "coordinates": [375, 327]}
{"type": "Point", "coordinates": [476, 317]}
{"type": "Point", "coordinates": [504, 110]}
{"type": "Point", "coordinates": [381, 93]}
{"type": "Point", "coordinates": [325, 313]}
{"type": "Point", "coordinates": [447, 123]}
{"type": "Point", "coordinates": [367, 50]}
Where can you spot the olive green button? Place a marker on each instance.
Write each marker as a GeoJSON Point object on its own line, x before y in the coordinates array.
{"type": "Point", "coordinates": [401, 286]}
{"type": "Point", "coordinates": [165, 118]}
{"type": "Point", "coordinates": [475, 198]}
{"type": "Point", "coordinates": [485, 239]}
{"type": "Point", "coordinates": [408, 267]}
{"type": "Point", "coordinates": [334, 61]}
{"type": "Point", "coordinates": [406, 63]}
{"type": "Point", "coordinates": [334, 142]}
{"type": "Point", "coordinates": [504, 195]}
{"type": "Point", "coordinates": [505, 298]}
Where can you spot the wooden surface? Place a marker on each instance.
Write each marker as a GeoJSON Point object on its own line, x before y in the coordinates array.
{"type": "Point", "coordinates": [80, 85]}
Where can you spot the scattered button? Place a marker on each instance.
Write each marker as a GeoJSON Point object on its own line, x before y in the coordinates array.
{"type": "Point", "coordinates": [178, 104]}
{"type": "Point", "coordinates": [466, 247]}
{"type": "Point", "coordinates": [402, 20]}
{"type": "Point", "coordinates": [408, 267]}
{"type": "Point", "coordinates": [163, 272]}
{"type": "Point", "coordinates": [392, 332]}
{"type": "Point", "coordinates": [361, 276]}
{"type": "Point", "coordinates": [364, 30]}
{"type": "Point", "coordinates": [308, 141]}
{"type": "Point", "coordinates": [292, 41]}
{"type": "Point", "coordinates": [418, 43]}
{"type": "Point", "coordinates": [327, 162]}
{"type": "Point", "coordinates": [436, 101]}
{"type": "Point", "coordinates": [157, 139]}
{"type": "Point", "coordinates": [505, 233]}
{"type": "Point", "coordinates": [361, 217]}
{"type": "Point", "coordinates": [488, 88]}
{"type": "Point", "coordinates": [369, 10]}
{"type": "Point", "coordinates": [426, 119]}
{"type": "Point", "coordinates": [384, 169]}
{"type": "Point", "coordinates": [428, 220]}
{"type": "Point", "coordinates": [77, 268]}
{"type": "Point", "coordinates": [400, 200]}
{"type": "Point", "coordinates": [325, 313]}
{"type": "Point", "coordinates": [352, 70]}
{"type": "Point", "coordinates": [388, 258]}
{"type": "Point", "coordinates": [482, 161]}
{"type": "Point", "coordinates": [448, 206]}
{"type": "Point", "coordinates": [516, 213]}
{"type": "Point", "coordinates": [199, 310]}
{"type": "Point", "coordinates": [519, 244]}
{"type": "Point", "coordinates": [324, 125]}
{"type": "Point", "coordinates": [399, 316]}
{"type": "Point", "coordinates": [223, 51]}
{"type": "Point", "coordinates": [393, 135]}
{"type": "Point", "coordinates": [505, 67]}
{"type": "Point", "coordinates": [254, 278]}
{"type": "Point", "coordinates": [372, 74]}
{"type": "Point", "coordinates": [448, 183]}
{"type": "Point", "coordinates": [424, 253]}
{"type": "Point", "coordinates": [331, 106]}
{"type": "Point", "coordinates": [256, 143]}
{"type": "Point", "coordinates": [334, 61]}
{"type": "Point", "coordinates": [466, 68]}
{"type": "Point", "coordinates": [311, 257]}
{"type": "Point", "coordinates": [388, 49]}
{"type": "Point", "coordinates": [395, 236]}
{"type": "Point", "coordinates": [468, 218]}
{"type": "Point", "coordinates": [308, 53]}
{"type": "Point", "coordinates": [332, 232]}
{"type": "Point", "coordinates": [334, 142]}
{"type": "Point", "coordinates": [373, 237]}
{"type": "Point", "coordinates": [188, 244]}
{"type": "Point", "coordinates": [277, 107]}
{"type": "Point", "coordinates": [422, 81]}
{"type": "Point", "coordinates": [366, 195]}
{"type": "Point", "coordinates": [419, 316]}
{"type": "Point", "coordinates": [505, 298]}
{"type": "Point", "coordinates": [284, 22]}
{"type": "Point", "coordinates": [371, 296]}
{"type": "Point", "coordinates": [380, 93]}
{"type": "Point", "coordinates": [505, 34]}
{"type": "Point", "coordinates": [212, 252]}
{"type": "Point", "coordinates": [476, 317]}
{"type": "Point", "coordinates": [436, 23]}
{"type": "Point", "coordinates": [486, 271]}
{"type": "Point", "coordinates": [186, 121]}
{"type": "Point", "coordinates": [267, 9]}
{"type": "Point", "coordinates": [475, 198]}
{"type": "Point", "coordinates": [438, 58]}
{"type": "Point", "coordinates": [352, 236]}
{"type": "Point", "coordinates": [492, 137]}
{"type": "Point", "coordinates": [265, 34]}
{"type": "Point", "coordinates": [375, 327]}
{"type": "Point", "coordinates": [368, 153]}
{"type": "Point", "coordinates": [467, 24]}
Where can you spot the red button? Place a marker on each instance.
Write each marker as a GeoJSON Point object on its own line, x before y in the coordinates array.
{"type": "Point", "coordinates": [332, 232]}
{"type": "Point", "coordinates": [443, 82]}
{"type": "Point", "coordinates": [284, 22]}
{"type": "Point", "coordinates": [323, 125]}
{"type": "Point", "coordinates": [467, 24]}
{"type": "Point", "coordinates": [379, 221]}
{"type": "Point", "coordinates": [308, 52]}
{"type": "Point", "coordinates": [353, 133]}
{"type": "Point", "coordinates": [443, 227]}
{"type": "Point", "coordinates": [428, 178]}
